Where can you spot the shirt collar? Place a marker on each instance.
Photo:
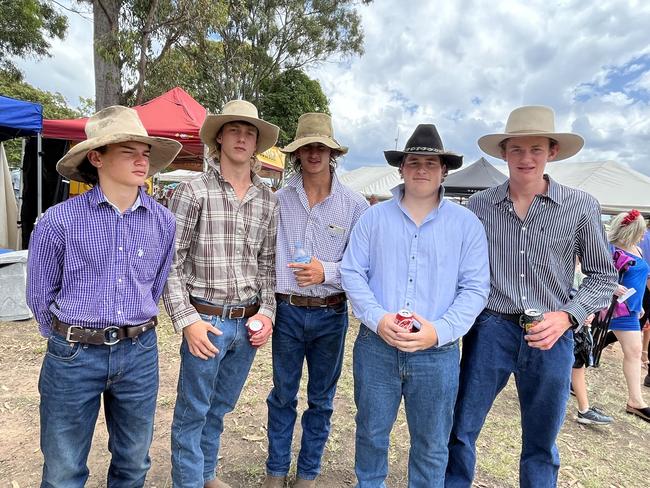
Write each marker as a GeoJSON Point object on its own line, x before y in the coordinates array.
{"type": "Point", "coordinates": [295, 181]}
{"type": "Point", "coordinates": [216, 166]}
{"type": "Point", "coordinates": [398, 193]}
{"type": "Point", "coordinates": [97, 197]}
{"type": "Point", "coordinates": [554, 191]}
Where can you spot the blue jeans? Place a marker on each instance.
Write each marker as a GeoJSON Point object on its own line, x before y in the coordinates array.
{"type": "Point", "coordinates": [428, 381]}
{"type": "Point", "coordinates": [317, 334]}
{"type": "Point", "coordinates": [73, 379]}
{"type": "Point", "coordinates": [493, 349]}
{"type": "Point", "coordinates": [207, 390]}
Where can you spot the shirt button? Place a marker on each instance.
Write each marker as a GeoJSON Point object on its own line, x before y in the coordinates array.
{"type": "Point", "coordinates": [522, 251]}
{"type": "Point", "coordinates": [412, 257]}
{"type": "Point", "coordinates": [523, 228]}
{"type": "Point", "coordinates": [410, 280]}
{"type": "Point", "coordinates": [119, 312]}
{"type": "Point", "coordinates": [120, 248]}
{"type": "Point", "coordinates": [523, 298]}
{"type": "Point", "coordinates": [415, 235]}
{"type": "Point", "coordinates": [509, 210]}
{"type": "Point", "coordinates": [521, 275]}
{"type": "Point", "coordinates": [119, 280]}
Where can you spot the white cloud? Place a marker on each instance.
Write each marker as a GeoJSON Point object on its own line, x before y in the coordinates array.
{"type": "Point", "coordinates": [464, 66]}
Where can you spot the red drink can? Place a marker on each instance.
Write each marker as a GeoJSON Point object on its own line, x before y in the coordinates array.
{"type": "Point", "coordinates": [254, 326]}
{"type": "Point", "coordinates": [405, 320]}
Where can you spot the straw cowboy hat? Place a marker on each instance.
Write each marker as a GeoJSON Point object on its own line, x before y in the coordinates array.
{"type": "Point", "coordinates": [113, 125]}
{"type": "Point", "coordinates": [239, 111]}
{"type": "Point", "coordinates": [425, 141]}
{"type": "Point", "coordinates": [314, 128]}
{"type": "Point", "coordinates": [532, 120]}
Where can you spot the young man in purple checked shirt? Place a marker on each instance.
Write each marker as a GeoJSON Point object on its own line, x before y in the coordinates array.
{"type": "Point", "coordinates": [97, 267]}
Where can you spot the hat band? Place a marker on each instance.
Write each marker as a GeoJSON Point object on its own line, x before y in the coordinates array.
{"type": "Point", "coordinates": [423, 149]}
{"type": "Point", "coordinates": [528, 131]}
{"type": "Point", "coordinates": [314, 134]}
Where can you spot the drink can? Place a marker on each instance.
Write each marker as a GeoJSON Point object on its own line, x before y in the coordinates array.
{"type": "Point", "coordinates": [530, 318]}
{"type": "Point", "coordinates": [405, 320]}
{"type": "Point", "coordinates": [254, 326]}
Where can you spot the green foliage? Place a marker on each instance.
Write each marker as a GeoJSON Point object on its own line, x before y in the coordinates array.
{"type": "Point", "coordinates": [286, 97]}
{"type": "Point", "coordinates": [219, 50]}
{"type": "Point", "coordinates": [26, 26]}
{"type": "Point", "coordinates": [54, 106]}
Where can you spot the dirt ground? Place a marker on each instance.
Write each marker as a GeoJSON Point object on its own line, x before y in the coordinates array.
{"type": "Point", "coordinates": [615, 456]}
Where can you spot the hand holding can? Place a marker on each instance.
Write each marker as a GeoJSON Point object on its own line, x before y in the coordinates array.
{"type": "Point", "coordinates": [254, 326]}
{"type": "Point", "coordinates": [406, 321]}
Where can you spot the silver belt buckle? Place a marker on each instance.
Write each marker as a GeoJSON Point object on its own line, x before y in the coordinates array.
{"type": "Point", "coordinates": [68, 334]}
{"type": "Point", "coordinates": [108, 332]}
{"type": "Point", "coordinates": [243, 312]}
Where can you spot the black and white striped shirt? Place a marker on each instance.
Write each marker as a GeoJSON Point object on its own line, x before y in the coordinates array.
{"type": "Point", "coordinates": [532, 262]}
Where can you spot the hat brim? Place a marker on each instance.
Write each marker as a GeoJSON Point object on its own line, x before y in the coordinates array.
{"type": "Point", "coordinates": [163, 151]}
{"type": "Point", "coordinates": [569, 144]}
{"type": "Point", "coordinates": [304, 141]}
{"type": "Point", "coordinates": [449, 159]}
{"type": "Point", "coordinates": [267, 133]}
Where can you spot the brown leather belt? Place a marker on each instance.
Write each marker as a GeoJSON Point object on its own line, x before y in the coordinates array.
{"type": "Point", "coordinates": [303, 301]}
{"type": "Point", "coordinates": [235, 312]}
{"type": "Point", "coordinates": [109, 336]}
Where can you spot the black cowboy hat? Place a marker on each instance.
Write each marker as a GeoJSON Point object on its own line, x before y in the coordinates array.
{"type": "Point", "coordinates": [425, 140]}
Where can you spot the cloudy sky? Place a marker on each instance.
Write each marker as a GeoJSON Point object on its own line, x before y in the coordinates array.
{"type": "Point", "coordinates": [463, 66]}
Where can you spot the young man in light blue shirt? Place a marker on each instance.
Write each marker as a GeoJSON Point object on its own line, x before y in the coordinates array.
{"type": "Point", "coordinates": [429, 255]}
{"type": "Point", "coordinates": [318, 212]}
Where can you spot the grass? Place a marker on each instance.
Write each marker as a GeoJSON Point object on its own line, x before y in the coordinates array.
{"type": "Point", "coordinates": [592, 457]}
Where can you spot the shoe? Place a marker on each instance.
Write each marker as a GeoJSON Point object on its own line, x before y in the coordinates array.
{"type": "Point", "coordinates": [303, 483]}
{"type": "Point", "coordinates": [646, 381]}
{"type": "Point", "coordinates": [274, 481]}
{"type": "Point", "coordinates": [593, 416]}
{"type": "Point", "coordinates": [642, 413]}
{"type": "Point", "coordinates": [216, 483]}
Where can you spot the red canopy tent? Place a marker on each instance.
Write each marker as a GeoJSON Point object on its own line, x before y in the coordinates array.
{"type": "Point", "coordinates": [174, 114]}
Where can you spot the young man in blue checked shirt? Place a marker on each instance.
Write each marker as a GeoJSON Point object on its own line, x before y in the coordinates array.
{"type": "Point", "coordinates": [317, 211]}
{"type": "Point", "coordinates": [427, 254]}
{"type": "Point", "coordinates": [97, 268]}
{"type": "Point", "coordinates": [222, 277]}
{"type": "Point", "coordinates": [536, 228]}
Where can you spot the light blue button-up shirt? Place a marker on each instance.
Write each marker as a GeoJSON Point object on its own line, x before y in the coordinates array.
{"type": "Point", "coordinates": [439, 269]}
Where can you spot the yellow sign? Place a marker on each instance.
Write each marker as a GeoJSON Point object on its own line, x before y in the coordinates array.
{"type": "Point", "coordinates": [77, 188]}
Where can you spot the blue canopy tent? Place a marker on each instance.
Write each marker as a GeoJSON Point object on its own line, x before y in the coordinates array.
{"type": "Point", "coordinates": [21, 119]}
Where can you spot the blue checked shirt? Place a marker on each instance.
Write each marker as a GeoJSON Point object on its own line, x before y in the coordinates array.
{"type": "Point", "coordinates": [91, 266]}
{"type": "Point", "coordinates": [438, 269]}
{"type": "Point", "coordinates": [323, 230]}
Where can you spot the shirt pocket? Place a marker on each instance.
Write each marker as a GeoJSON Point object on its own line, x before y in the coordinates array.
{"type": "Point", "coordinates": [144, 262]}
{"type": "Point", "coordinates": [551, 251]}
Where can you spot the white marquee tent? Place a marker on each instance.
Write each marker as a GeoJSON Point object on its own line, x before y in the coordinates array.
{"type": "Point", "coordinates": [616, 186]}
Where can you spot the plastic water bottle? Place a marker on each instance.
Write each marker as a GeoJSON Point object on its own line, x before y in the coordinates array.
{"type": "Point", "coordinates": [300, 255]}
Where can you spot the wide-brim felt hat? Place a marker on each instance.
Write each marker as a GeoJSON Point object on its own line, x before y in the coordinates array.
{"type": "Point", "coordinates": [425, 140]}
{"type": "Point", "coordinates": [114, 125]}
{"type": "Point", "coordinates": [314, 128]}
{"type": "Point", "coordinates": [239, 111]}
{"type": "Point", "coordinates": [532, 120]}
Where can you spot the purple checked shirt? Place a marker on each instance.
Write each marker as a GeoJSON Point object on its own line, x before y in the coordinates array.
{"type": "Point", "coordinates": [91, 266]}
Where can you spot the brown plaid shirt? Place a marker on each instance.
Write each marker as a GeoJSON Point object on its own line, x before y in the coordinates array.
{"type": "Point", "coordinates": [225, 248]}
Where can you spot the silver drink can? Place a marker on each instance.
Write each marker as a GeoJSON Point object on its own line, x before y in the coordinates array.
{"type": "Point", "coordinates": [530, 318]}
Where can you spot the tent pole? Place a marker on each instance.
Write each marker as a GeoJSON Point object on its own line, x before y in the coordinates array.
{"type": "Point", "coordinates": [39, 169]}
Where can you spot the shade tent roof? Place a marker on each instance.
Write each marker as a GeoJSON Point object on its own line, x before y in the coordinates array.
{"type": "Point", "coordinates": [372, 180]}
{"type": "Point", "coordinates": [174, 114]}
{"type": "Point", "coordinates": [19, 118]}
{"type": "Point", "coordinates": [616, 186]}
{"type": "Point", "coordinates": [477, 176]}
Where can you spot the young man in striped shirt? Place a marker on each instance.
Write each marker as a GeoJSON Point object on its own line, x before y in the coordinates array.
{"type": "Point", "coordinates": [317, 212]}
{"type": "Point", "coordinates": [222, 277]}
{"type": "Point", "coordinates": [97, 267]}
{"type": "Point", "coordinates": [535, 228]}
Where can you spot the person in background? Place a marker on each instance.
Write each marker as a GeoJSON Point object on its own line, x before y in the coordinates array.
{"type": "Point", "coordinates": [625, 234]}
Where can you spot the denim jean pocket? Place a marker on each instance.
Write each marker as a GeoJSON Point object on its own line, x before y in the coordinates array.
{"type": "Point", "coordinates": [147, 340]}
{"type": "Point", "coordinates": [364, 332]}
{"type": "Point", "coordinates": [59, 348]}
{"type": "Point", "coordinates": [340, 309]}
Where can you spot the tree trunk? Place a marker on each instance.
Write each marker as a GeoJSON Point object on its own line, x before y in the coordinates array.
{"type": "Point", "coordinates": [108, 83]}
